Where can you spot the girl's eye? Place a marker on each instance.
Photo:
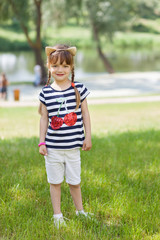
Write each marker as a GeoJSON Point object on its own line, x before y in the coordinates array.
{"type": "Point", "coordinates": [66, 66]}
{"type": "Point", "coordinates": [54, 66]}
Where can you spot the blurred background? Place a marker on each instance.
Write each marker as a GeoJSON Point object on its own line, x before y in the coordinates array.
{"type": "Point", "coordinates": [118, 44]}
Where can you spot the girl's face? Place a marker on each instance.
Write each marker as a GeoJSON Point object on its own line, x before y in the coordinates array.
{"type": "Point", "coordinates": [60, 71]}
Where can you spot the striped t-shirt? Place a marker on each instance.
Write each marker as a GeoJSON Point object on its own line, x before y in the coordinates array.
{"type": "Point", "coordinates": [64, 132]}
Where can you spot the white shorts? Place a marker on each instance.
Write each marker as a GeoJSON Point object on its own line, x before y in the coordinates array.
{"type": "Point", "coordinates": [60, 163]}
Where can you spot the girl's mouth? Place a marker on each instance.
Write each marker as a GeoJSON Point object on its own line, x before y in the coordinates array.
{"type": "Point", "coordinates": [59, 74]}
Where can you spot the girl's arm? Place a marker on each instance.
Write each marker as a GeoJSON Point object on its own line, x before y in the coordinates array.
{"type": "Point", "coordinates": [87, 144]}
{"type": "Point", "coordinates": [43, 128]}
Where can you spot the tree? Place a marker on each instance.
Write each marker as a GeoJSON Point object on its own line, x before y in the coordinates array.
{"type": "Point", "coordinates": [54, 16]}
{"type": "Point", "coordinates": [107, 17]}
{"type": "Point", "coordinates": [147, 9]}
{"type": "Point", "coordinates": [74, 9]}
{"type": "Point", "coordinates": [29, 15]}
{"type": "Point", "coordinates": [62, 11]}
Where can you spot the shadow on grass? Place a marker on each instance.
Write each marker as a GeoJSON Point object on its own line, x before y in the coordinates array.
{"type": "Point", "coordinates": [120, 185]}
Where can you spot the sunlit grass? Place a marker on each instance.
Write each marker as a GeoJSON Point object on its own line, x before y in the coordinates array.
{"type": "Point", "coordinates": [81, 36]}
{"type": "Point", "coordinates": [114, 118]}
{"type": "Point", "coordinates": [19, 122]}
{"type": "Point", "coordinates": [13, 34]}
{"type": "Point", "coordinates": [120, 177]}
{"type": "Point", "coordinates": [106, 118]}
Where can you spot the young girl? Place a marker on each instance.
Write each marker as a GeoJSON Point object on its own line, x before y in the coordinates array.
{"type": "Point", "coordinates": [64, 111]}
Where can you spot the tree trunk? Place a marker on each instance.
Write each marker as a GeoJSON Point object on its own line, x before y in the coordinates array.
{"type": "Point", "coordinates": [106, 62]}
{"type": "Point", "coordinates": [37, 48]}
{"type": "Point", "coordinates": [39, 61]}
{"type": "Point", "coordinates": [35, 45]}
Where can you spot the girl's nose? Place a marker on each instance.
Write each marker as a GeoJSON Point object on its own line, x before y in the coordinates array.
{"type": "Point", "coordinates": [60, 68]}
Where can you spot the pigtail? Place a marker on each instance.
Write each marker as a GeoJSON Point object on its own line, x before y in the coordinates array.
{"type": "Point", "coordinates": [49, 78]}
{"type": "Point", "coordinates": [76, 90]}
{"type": "Point", "coordinates": [72, 77]}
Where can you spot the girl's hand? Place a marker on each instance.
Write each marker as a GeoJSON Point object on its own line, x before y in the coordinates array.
{"type": "Point", "coordinates": [43, 150]}
{"type": "Point", "coordinates": [87, 144]}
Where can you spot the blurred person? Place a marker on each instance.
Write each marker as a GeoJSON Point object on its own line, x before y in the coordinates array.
{"type": "Point", "coordinates": [38, 75]}
{"type": "Point", "coordinates": [3, 86]}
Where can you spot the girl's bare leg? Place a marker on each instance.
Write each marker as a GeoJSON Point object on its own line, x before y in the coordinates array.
{"type": "Point", "coordinates": [55, 191]}
{"type": "Point", "coordinates": [75, 191]}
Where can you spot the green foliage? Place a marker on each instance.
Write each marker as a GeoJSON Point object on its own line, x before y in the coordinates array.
{"type": "Point", "coordinates": [78, 36]}
{"type": "Point", "coordinates": [12, 39]}
{"type": "Point", "coordinates": [6, 11]}
{"type": "Point", "coordinates": [72, 35]}
{"type": "Point", "coordinates": [12, 26]}
{"type": "Point", "coordinates": [147, 9]}
{"type": "Point", "coordinates": [109, 16]}
{"type": "Point", "coordinates": [54, 16]}
{"type": "Point", "coordinates": [9, 45]}
{"type": "Point", "coordinates": [146, 25]}
{"type": "Point", "coordinates": [131, 41]}
{"type": "Point", "coordinates": [62, 12]}
{"type": "Point", "coordinates": [19, 9]}
{"type": "Point", "coordinates": [143, 28]}
{"type": "Point", "coordinates": [74, 8]}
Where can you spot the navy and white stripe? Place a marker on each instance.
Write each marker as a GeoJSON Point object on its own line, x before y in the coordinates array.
{"type": "Point", "coordinates": [66, 137]}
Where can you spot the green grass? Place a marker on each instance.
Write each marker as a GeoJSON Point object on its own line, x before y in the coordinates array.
{"type": "Point", "coordinates": [136, 40]}
{"type": "Point", "coordinates": [72, 35]}
{"type": "Point", "coordinates": [21, 83]}
{"type": "Point", "coordinates": [120, 177]}
{"type": "Point", "coordinates": [13, 39]}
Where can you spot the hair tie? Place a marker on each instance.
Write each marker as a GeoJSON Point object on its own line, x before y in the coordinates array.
{"type": "Point", "coordinates": [72, 84]}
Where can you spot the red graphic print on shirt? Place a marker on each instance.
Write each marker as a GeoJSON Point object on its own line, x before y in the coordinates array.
{"type": "Point", "coordinates": [56, 122]}
{"type": "Point", "coordinates": [69, 119]}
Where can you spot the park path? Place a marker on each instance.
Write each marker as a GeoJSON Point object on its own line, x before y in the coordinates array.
{"type": "Point", "coordinates": [104, 88]}
{"type": "Point", "coordinates": [91, 101]}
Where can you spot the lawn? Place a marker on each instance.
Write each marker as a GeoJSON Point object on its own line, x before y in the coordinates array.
{"type": "Point", "coordinates": [13, 39]}
{"type": "Point", "coordinates": [120, 177]}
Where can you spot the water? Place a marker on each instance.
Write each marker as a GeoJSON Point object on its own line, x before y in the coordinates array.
{"type": "Point", "coordinates": [18, 66]}
{"type": "Point", "coordinates": [89, 69]}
